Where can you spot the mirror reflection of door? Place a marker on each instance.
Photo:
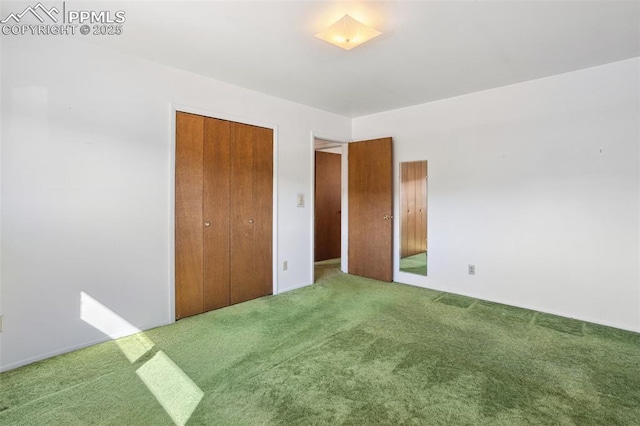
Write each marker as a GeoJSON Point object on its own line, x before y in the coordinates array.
{"type": "Point", "coordinates": [413, 217]}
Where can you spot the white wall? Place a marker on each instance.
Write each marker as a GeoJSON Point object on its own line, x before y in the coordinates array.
{"type": "Point", "coordinates": [86, 186]}
{"type": "Point", "coordinates": [1, 186]}
{"type": "Point", "coordinates": [538, 185]}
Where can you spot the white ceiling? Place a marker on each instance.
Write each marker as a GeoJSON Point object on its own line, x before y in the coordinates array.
{"type": "Point", "coordinates": [429, 50]}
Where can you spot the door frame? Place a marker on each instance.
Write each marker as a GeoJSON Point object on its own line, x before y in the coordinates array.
{"type": "Point", "coordinates": [174, 108]}
{"type": "Point", "coordinates": [344, 203]}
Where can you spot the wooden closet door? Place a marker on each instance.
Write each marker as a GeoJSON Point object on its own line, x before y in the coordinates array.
{"type": "Point", "coordinates": [251, 212]}
{"type": "Point", "coordinates": [263, 207]}
{"type": "Point", "coordinates": [216, 244]}
{"type": "Point", "coordinates": [188, 210]}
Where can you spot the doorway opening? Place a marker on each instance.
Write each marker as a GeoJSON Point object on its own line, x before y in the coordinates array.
{"type": "Point", "coordinates": [365, 211]}
{"type": "Point", "coordinates": [328, 192]}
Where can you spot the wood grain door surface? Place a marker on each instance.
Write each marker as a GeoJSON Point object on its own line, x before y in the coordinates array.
{"type": "Point", "coordinates": [328, 205]}
{"type": "Point", "coordinates": [371, 209]}
{"type": "Point", "coordinates": [224, 213]}
{"type": "Point", "coordinates": [251, 212]}
{"type": "Point", "coordinates": [413, 208]}
{"type": "Point", "coordinates": [216, 193]}
{"type": "Point", "coordinates": [188, 211]}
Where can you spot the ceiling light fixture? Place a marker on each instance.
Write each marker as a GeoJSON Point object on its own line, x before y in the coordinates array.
{"type": "Point", "coordinates": [348, 33]}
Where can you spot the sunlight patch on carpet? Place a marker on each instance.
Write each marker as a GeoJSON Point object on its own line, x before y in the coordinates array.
{"type": "Point", "coordinates": [347, 350]}
{"type": "Point", "coordinates": [174, 390]}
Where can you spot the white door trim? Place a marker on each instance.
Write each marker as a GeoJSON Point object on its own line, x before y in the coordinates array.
{"type": "Point", "coordinates": [344, 262]}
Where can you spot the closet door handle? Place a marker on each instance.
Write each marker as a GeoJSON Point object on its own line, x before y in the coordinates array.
{"type": "Point", "coordinates": [207, 224]}
{"type": "Point", "coordinates": [251, 221]}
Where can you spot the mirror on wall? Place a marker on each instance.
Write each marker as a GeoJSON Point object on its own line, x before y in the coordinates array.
{"type": "Point", "coordinates": [413, 217]}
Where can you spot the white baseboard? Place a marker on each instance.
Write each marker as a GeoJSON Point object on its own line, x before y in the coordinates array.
{"type": "Point", "coordinates": [295, 287]}
{"type": "Point", "coordinates": [30, 360]}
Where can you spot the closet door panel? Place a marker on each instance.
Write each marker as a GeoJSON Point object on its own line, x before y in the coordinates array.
{"type": "Point", "coordinates": [242, 214]}
{"type": "Point", "coordinates": [251, 212]}
{"type": "Point", "coordinates": [188, 210]}
{"type": "Point", "coordinates": [217, 169]}
{"type": "Point", "coordinates": [263, 212]}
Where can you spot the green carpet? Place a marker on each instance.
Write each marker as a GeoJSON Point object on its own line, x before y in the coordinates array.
{"type": "Point", "coordinates": [416, 264]}
{"type": "Point", "coordinates": [346, 350]}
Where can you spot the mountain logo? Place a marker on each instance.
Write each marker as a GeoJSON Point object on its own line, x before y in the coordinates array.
{"type": "Point", "coordinates": [38, 10]}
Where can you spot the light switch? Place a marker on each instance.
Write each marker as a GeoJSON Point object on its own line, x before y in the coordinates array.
{"type": "Point", "coordinates": [300, 200]}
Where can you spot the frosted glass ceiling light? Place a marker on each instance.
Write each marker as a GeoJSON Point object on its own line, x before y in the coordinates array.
{"type": "Point", "coordinates": [348, 33]}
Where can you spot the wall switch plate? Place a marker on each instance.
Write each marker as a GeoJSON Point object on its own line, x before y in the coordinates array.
{"type": "Point", "coordinates": [285, 265]}
{"type": "Point", "coordinates": [472, 269]}
{"type": "Point", "coordinates": [300, 199]}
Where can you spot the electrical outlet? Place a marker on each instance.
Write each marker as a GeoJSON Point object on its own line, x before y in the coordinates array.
{"type": "Point", "coordinates": [472, 269]}
{"type": "Point", "coordinates": [285, 265]}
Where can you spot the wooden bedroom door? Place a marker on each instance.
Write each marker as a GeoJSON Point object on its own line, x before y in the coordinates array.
{"type": "Point", "coordinates": [328, 205]}
{"type": "Point", "coordinates": [371, 209]}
